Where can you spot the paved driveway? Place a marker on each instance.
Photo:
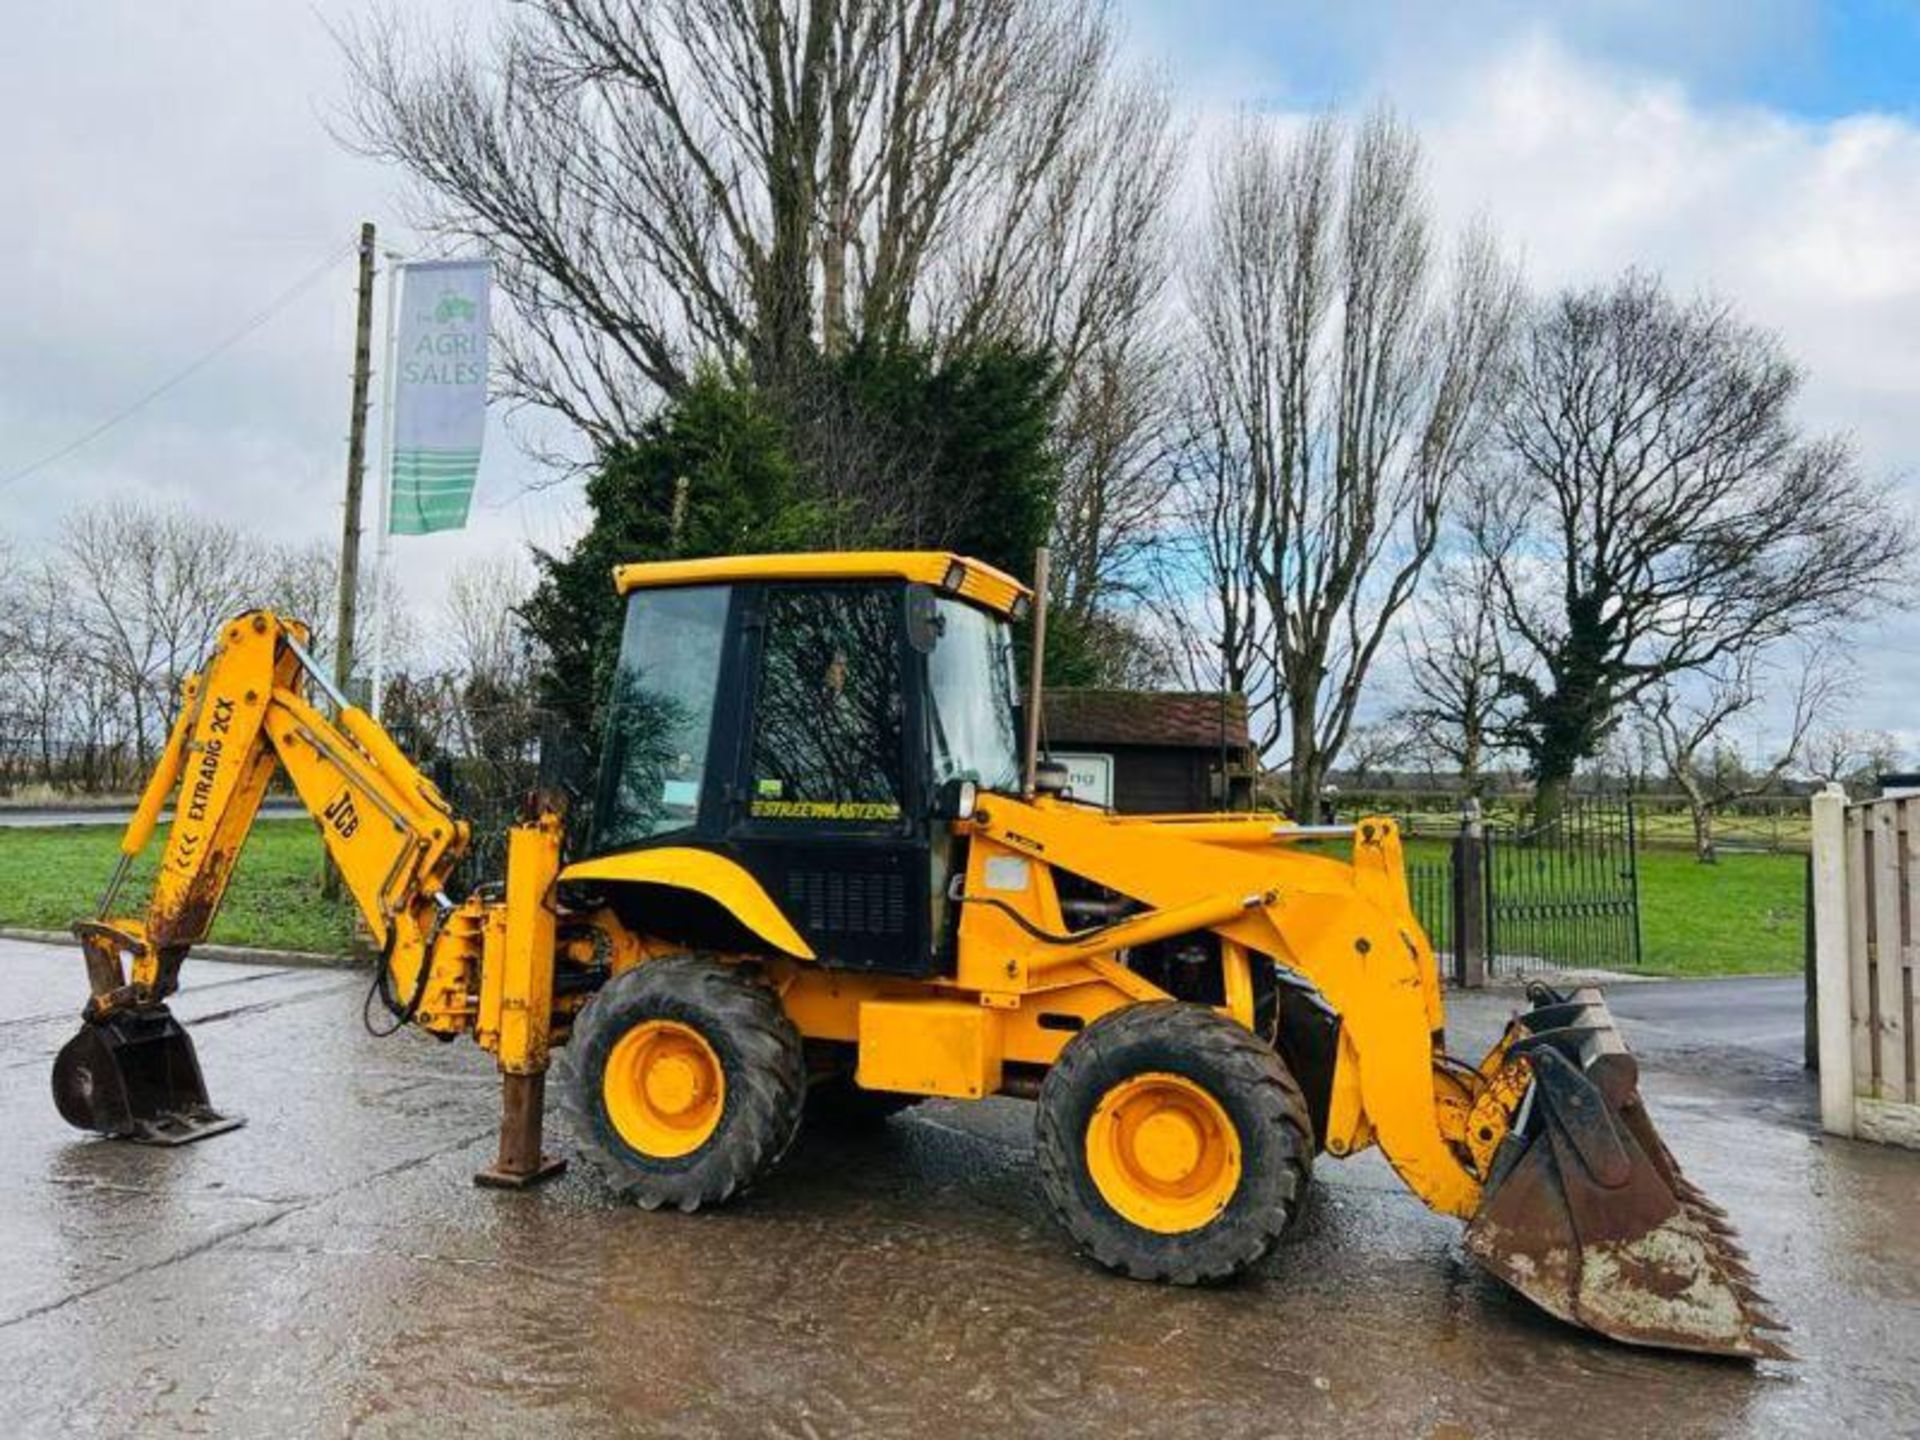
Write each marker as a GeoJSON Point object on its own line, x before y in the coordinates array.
{"type": "Point", "coordinates": [330, 1269]}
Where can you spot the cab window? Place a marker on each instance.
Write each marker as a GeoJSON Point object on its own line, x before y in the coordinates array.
{"type": "Point", "coordinates": [970, 678]}
{"type": "Point", "coordinates": [660, 716]}
{"type": "Point", "coordinates": [827, 742]}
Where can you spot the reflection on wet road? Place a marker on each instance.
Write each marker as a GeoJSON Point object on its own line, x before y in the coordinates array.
{"type": "Point", "coordinates": [330, 1268]}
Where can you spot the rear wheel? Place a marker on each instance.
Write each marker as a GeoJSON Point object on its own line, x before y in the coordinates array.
{"type": "Point", "coordinates": [687, 1080]}
{"type": "Point", "coordinates": [1173, 1144]}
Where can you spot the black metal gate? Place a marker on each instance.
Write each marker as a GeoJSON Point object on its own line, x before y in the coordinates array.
{"type": "Point", "coordinates": [1565, 895]}
{"type": "Point", "coordinates": [1430, 885]}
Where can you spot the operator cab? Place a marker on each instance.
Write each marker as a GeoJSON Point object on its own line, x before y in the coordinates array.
{"type": "Point", "coordinates": [815, 719]}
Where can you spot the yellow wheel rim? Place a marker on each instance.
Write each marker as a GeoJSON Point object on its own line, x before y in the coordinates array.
{"type": "Point", "coordinates": [664, 1089]}
{"type": "Point", "coordinates": [1163, 1153]}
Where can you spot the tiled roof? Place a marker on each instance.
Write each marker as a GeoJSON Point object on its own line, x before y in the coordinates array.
{"type": "Point", "coordinates": [1180, 718]}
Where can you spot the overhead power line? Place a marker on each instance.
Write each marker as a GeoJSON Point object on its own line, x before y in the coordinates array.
{"type": "Point", "coordinates": [186, 372]}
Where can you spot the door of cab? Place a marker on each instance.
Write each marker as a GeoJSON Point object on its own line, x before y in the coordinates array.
{"type": "Point", "coordinates": [829, 806]}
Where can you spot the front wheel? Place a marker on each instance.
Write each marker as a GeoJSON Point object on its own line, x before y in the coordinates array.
{"type": "Point", "coordinates": [1173, 1144]}
{"type": "Point", "coordinates": [687, 1081]}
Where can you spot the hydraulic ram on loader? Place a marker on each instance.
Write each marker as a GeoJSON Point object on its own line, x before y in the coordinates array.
{"type": "Point", "coordinates": [819, 871]}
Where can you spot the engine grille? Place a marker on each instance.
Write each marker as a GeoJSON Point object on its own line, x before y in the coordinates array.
{"type": "Point", "coordinates": [837, 902]}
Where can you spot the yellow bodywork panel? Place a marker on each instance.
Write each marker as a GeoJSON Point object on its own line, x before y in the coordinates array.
{"type": "Point", "coordinates": [929, 1047]}
{"type": "Point", "coordinates": [971, 579]}
{"type": "Point", "coordinates": [704, 873]}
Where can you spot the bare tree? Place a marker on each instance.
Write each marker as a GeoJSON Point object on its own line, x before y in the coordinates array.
{"type": "Point", "coordinates": [1454, 664]}
{"type": "Point", "coordinates": [1690, 732]}
{"type": "Point", "coordinates": [149, 590]}
{"type": "Point", "coordinates": [1092, 290]}
{"type": "Point", "coordinates": [1375, 746]}
{"type": "Point", "coordinates": [1345, 378]}
{"type": "Point", "coordinates": [1659, 513]}
{"type": "Point", "coordinates": [302, 581]}
{"type": "Point", "coordinates": [662, 180]}
{"type": "Point", "coordinates": [1206, 591]}
{"type": "Point", "coordinates": [1854, 758]}
{"type": "Point", "coordinates": [496, 717]}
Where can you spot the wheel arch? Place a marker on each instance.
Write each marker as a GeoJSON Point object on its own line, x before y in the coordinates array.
{"type": "Point", "coordinates": [686, 871]}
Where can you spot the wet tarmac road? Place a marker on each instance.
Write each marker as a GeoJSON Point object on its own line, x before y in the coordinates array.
{"type": "Point", "coordinates": [330, 1269]}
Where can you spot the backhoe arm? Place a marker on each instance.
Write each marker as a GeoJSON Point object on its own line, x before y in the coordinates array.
{"type": "Point", "coordinates": [132, 1071]}
{"type": "Point", "coordinates": [385, 825]}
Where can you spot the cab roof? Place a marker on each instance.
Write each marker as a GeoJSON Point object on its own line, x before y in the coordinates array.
{"type": "Point", "coordinates": [973, 580]}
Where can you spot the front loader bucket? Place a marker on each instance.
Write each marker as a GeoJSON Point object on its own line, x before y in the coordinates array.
{"type": "Point", "coordinates": [134, 1076]}
{"type": "Point", "coordinates": [1586, 1212]}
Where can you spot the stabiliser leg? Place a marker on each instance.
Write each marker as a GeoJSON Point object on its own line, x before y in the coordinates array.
{"type": "Point", "coordinates": [521, 1163]}
{"type": "Point", "coordinates": [523, 961]}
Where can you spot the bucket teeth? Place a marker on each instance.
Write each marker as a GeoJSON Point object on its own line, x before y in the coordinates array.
{"type": "Point", "coordinates": [1697, 1198]}
{"type": "Point", "coordinates": [1594, 1220]}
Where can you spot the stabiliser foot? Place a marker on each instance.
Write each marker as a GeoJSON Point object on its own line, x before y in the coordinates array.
{"type": "Point", "coordinates": [521, 1163]}
{"type": "Point", "coordinates": [495, 1178]}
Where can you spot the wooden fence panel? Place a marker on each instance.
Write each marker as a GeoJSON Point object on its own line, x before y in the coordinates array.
{"type": "Point", "coordinates": [1909, 950]}
{"type": "Point", "coordinates": [1866, 910]}
{"type": "Point", "coordinates": [1859, 995]}
{"type": "Point", "coordinates": [1889, 1030]}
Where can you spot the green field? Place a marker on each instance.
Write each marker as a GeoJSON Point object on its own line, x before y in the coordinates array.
{"type": "Point", "coordinates": [1742, 916]}
{"type": "Point", "coordinates": [51, 877]}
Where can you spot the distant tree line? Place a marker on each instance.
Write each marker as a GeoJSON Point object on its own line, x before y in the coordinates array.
{"type": "Point", "coordinates": [98, 632]}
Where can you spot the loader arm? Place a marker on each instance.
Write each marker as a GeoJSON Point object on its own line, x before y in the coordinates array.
{"type": "Point", "coordinates": [386, 827]}
{"type": "Point", "coordinates": [1544, 1146]}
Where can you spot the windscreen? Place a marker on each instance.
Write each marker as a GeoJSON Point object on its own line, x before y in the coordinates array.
{"type": "Point", "coordinates": [660, 714]}
{"type": "Point", "coordinates": [971, 677]}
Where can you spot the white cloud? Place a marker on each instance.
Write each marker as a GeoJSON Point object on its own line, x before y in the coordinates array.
{"type": "Point", "coordinates": [168, 171]}
{"type": "Point", "coordinates": [1584, 167]}
{"type": "Point", "coordinates": [1808, 227]}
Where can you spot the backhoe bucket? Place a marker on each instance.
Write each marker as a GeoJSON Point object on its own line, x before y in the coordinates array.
{"type": "Point", "coordinates": [1586, 1212]}
{"type": "Point", "coordinates": [134, 1076]}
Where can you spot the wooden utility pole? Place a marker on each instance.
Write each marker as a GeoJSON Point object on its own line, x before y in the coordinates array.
{"type": "Point", "coordinates": [356, 473]}
{"type": "Point", "coordinates": [356, 467]}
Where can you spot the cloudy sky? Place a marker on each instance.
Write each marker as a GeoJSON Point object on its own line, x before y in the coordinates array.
{"type": "Point", "coordinates": [167, 174]}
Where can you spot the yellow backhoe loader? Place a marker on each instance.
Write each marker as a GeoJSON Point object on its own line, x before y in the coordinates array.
{"type": "Point", "coordinates": [824, 874]}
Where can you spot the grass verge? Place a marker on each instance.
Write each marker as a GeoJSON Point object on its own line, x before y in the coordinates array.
{"type": "Point", "coordinates": [1745, 915]}
{"type": "Point", "coordinates": [51, 877]}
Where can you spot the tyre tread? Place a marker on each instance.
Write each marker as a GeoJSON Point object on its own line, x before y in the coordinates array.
{"type": "Point", "coordinates": [1226, 1246]}
{"type": "Point", "coordinates": [765, 1088]}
